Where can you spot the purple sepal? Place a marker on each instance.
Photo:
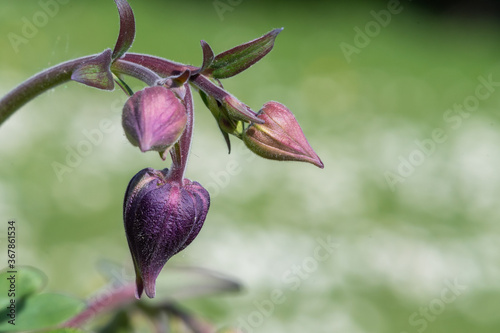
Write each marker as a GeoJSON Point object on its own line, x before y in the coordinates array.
{"type": "Point", "coordinates": [96, 72]}
{"type": "Point", "coordinates": [208, 56]}
{"type": "Point", "coordinates": [127, 29]}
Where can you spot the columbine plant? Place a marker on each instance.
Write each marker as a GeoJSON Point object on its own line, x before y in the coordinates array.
{"type": "Point", "coordinates": [163, 212]}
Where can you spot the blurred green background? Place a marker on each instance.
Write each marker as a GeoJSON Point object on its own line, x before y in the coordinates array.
{"type": "Point", "coordinates": [409, 194]}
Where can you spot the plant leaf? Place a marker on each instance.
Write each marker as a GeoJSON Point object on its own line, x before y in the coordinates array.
{"type": "Point", "coordinates": [96, 72]}
{"type": "Point", "coordinates": [127, 29]}
{"type": "Point", "coordinates": [241, 57]}
{"type": "Point", "coordinates": [42, 311]}
{"type": "Point", "coordinates": [208, 55]}
{"type": "Point", "coordinates": [27, 281]}
{"type": "Point", "coordinates": [212, 105]}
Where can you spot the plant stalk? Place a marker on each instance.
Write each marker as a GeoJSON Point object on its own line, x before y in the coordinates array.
{"type": "Point", "coordinates": [38, 84]}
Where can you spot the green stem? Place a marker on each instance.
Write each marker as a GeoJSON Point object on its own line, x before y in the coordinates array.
{"type": "Point", "coordinates": [126, 89]}
{"type": "Point", "coordinates": [38, 84]}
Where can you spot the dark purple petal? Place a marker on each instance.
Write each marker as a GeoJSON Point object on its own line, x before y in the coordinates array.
{"type": "Point", "coordinates": [161, 217]}
{"type": "Point", "coordinates": [127, 29]}
{"type": "Point", "coordinates": [201, 200]}
{"type": "Point", "coordinates": [96, 72]}
{"type": "Point", "coordinates": [163, 222]}
{"type": "Point", "coordinates": [239, 58]}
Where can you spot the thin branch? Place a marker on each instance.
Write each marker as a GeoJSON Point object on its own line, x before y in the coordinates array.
{"type": "Point", "coordinates": [180, 152]}
{"type": "Point", "coordinates": [112, 300]}
{"type": "Point", "coordinates": [135, 70]}
{"type": "Point", "coordinates": [38, 84]}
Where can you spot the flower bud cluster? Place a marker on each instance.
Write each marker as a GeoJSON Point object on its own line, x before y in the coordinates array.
{"type": "Point", "coordinates": [163, 211]}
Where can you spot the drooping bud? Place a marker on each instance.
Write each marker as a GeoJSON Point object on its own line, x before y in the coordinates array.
{"type": "Point", "coordinates": [280, 137]}
{"type": "Point", "coordinates": [154, 119]}
{"type": "Point", "coordinates": [161, 218]}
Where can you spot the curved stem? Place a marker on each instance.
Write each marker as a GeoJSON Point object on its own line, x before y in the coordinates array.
{"type": "Point", "coordinates": [111, 300]}
{"type": "Point", "coordinates": [143, 67]}
{"type": "Point", "coordinates": [38, 84]}
{"type": "Point", "coordinates": [126, 89]}
{"type": "Point", "coordinates": [180, 152]}
{"type": "Point", "coordinates": [140, 72]}
{"type": "Point", "coordinates": [158, 65]}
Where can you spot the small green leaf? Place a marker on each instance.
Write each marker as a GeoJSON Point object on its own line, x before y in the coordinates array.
{"type": "Point", "coordinates": [96, 72]}
{"type": "Point", "coordinates": [42, 311]}
{"type": "Point", "coordinates": [24, 282]}
{"type": "Point", "coordinates": [239, 58]}
{"type": "Point", "coordinates": [215, 108]}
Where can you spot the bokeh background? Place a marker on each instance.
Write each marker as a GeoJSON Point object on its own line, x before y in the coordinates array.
{"type": "Point", "coordinates": [406, 126]}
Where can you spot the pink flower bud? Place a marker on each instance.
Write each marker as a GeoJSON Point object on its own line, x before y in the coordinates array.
{"type": "Point", "coordinates": [154, 119]}
{"type": "Point", "coordinates": [280, 137]}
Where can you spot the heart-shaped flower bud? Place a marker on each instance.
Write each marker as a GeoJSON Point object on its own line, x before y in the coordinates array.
{"type": "Point", "coordinates": [161, 218]}
{"type": "Point", "coordinates": [154, 119]}
{"type": "Point", "coordinates": [280, 137]}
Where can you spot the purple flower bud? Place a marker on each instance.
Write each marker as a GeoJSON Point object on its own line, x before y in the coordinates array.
{"type": "Point", "coordinates": [280, 137]}
{"type": "Point", "coordinates": [161, 218]}
{"type": "Point", "coordinates": [154, 119]}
